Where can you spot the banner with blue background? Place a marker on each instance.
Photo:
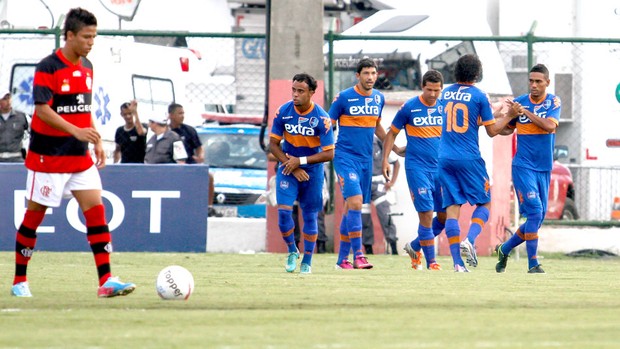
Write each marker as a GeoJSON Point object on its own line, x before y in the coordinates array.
{"type": "Point", "coordinates": [149, 208]}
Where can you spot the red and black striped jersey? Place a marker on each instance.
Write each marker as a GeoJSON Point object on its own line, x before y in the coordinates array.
{"type": "Point", "coordinates": [67, 89]}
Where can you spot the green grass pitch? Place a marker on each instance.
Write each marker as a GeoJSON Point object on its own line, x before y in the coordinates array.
{"type": "Point", "coordinates": [249, 301]}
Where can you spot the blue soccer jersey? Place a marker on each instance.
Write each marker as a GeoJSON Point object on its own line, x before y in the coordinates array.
{"type": "Point", "coordinates": [356, 115]}
{"type": "Point", "coordinates": [422, 124]}
{"type": "Point", "coordinates": [535, 145]}
{"type": "Point", "coordinates": [465, 108]}
{"type": "Point", "coordinates": [305, 133]}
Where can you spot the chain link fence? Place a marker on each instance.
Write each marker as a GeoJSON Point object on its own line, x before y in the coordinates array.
{"type": "Point", "coordinates": [589, 132]}
{"type": "Point", "coordinates": [226, 73]}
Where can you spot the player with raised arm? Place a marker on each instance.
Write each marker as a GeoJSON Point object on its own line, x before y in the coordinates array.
{"type": "Point", "coordinates": [531, 167]}
{"type": "Point", "coordinates": [301, 139]}
{"type": "Point", "coordinates": [462, 172]}
{"type": "Point", "coordinates": [59, 162]}
{"type": "Point", "coordinates": [420, 116]}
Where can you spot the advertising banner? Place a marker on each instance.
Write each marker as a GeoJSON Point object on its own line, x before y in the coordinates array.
{"type": "Point", "coordinates": [149, 208]}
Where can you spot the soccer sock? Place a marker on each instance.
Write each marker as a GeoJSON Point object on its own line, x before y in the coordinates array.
{"type": "Point", "coordinates": [345, 243]}
{"type": "Point", "coordinates": [354, 226]}
{"type": "Point", "coordinates": [310, 233]}
{"type": "Point", "coordinates": [100, 240]}
{"type": "Point", "coordinates": [427, 241]}
{"type": "Point", "coordinates": [437, 226]}
{"type": "Point", "coordinates": [531, 238]}
{"type": "Point", "coordinates": [453, 233]}
{"type": "Point", "coordinates": [287, 227]}
{"type": "Point", "coordinates": [531, 245]}
{"type": "Point", "coordinates": [515, 240]}
{"type": "Point", "coordinates": [25, 240]}
{"type": "Point", "coordinates": [478, 219]}
{"type": "Point", "coordinates": [415, 244]}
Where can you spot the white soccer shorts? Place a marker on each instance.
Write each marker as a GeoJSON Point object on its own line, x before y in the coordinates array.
{"type": "Point", "coordinates": [49, 189]}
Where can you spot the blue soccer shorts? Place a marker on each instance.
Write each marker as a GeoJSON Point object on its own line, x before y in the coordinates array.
{"type": "Point", "coordinates": [354, 177]}
{"type": "Point", "coordinates": [425, 190]}
{"type": "Point", "coordinates": [532, 188]}
{"type": "Point", "coordinates": [464, 181]}
{"type": "Point", "coordinates": [308, 193]}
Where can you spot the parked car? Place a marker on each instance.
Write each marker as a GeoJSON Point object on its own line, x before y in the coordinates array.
{"type": "Point", "coordinates": [239, 167]}
{"type": "Point", "coordinates": [561, 202]}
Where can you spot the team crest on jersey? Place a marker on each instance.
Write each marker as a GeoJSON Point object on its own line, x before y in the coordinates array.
{"type": "Point", "coordinates": [377, 99]}
{"type": "Point", "coordinates": [314, 122]}
{"type": "Point", "coordinates": [440, 109]}
{"type": "Point", "coordinates": [89, 82]}
{"type": "Point", "coordinates": [547, 104]}
{"type": "Point", "coordinates": [537, 108]}
{"type": "Point", "coordinates": [284, 185]}
{"type": "Point", "coordinates": [65, 87]}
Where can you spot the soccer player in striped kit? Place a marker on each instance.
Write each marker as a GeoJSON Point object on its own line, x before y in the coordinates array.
{"type": "Point", "coordinates": [462, 172]}
{"type": "Point", "coordinates": [357, 111]}
{"type": "Point", "coordinates": [59, 162]}
{"type": "Point", "coordinates": [301, 139]}
{"type": "Point", "coordinates": [532, 164]}
{"type": "Point", "coordinates": [420, 116]}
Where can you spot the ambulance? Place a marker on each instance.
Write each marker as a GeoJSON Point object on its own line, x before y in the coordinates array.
{"type": "Point", "coordinates": [124, 69]}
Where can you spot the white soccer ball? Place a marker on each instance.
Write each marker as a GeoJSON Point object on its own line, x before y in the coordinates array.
{"type": "Point", "coordinates": [175, 282]}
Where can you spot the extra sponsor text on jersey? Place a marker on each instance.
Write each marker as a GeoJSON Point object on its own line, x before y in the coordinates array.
{"type": "Point", "coordinates": [364, 110]}
{"type": "Point", "coordinates": [458, 95]}
{"type": "Point", "coordinates": [428, 120]}
{"type": "Point", "coordinates": [299, 130]}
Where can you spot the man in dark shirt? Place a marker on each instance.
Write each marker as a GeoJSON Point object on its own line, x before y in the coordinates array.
{"type": "Point", "coordinates": [189, 136]}
{"type": "Point", "coordinates": [193, 146]}
{"type": "Point", "coordinates": [130, 139]}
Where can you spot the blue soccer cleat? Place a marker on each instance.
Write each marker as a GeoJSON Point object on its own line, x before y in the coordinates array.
{"type": "Point", "coordinates": [21, 289]}
{"type": "Point", "coordinates": [291, 261]}
{"type": "Point", "coordinates": [305, 269]}
{"type": "Point", "coordinates": [114, 287]}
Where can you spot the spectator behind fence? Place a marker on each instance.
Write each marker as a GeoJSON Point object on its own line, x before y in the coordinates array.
{"type": "Point", "coordinates": [130, 139]}
{"type": "Point", "coordinates": [188, 134]}
{"type": "Point", "coordinates": [193, 147]}
{"type": "Point", "coordinates": [164, 146]}
{"type": "Point", "coordinates": [13, 126]}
